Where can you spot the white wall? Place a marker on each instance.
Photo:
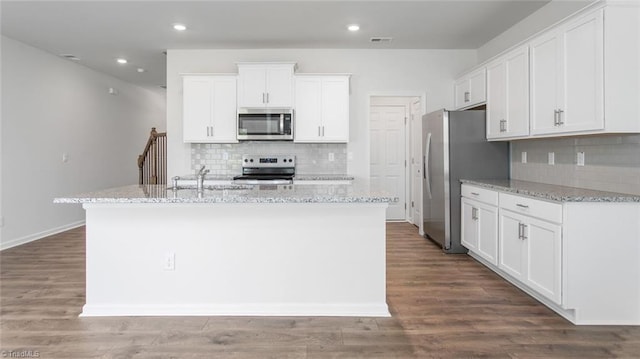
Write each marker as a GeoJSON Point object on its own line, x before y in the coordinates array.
{"type": "Point", "coordinates": [52, 106]}
{"type": "Point", "coordinates": [546, 16]}
{"type": "Point", "coordinates": [374, 72]}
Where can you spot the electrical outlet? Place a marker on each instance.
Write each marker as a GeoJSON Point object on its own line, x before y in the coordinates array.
{"type": "Point", "coordinates": [170, 261]}
{"type": "Point", "coordinates": [523, 157]}
{"type": "Point", "coordinates": [580, 158]}
{"type": "Point", "coordinates": [350, 156]}
{"type": "Point", "coordinates": [225, 156]}
{"type": "Point", "coordinates": [331, 157]}
{"type": "Point", "coordinates": [65, 157]}
{"type": "Point", "coordinates": [552, 158]}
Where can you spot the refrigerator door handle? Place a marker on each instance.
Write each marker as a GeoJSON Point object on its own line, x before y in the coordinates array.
{"type": "Point", "coordinates": [427, 167]}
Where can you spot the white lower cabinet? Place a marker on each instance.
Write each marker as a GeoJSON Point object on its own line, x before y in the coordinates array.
{"type": "Point", "coordinates": [578, 258]}
{"type": "Point", "coordinates": [530, 251]}
{"type": "Point", "coordinates": [479, 231]}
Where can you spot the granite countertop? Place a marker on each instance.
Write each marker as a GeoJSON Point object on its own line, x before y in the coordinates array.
{"type": "Point", "coordinates": [356, 192]}
{"type": "Point", "coordinates": [553, 192]}
{"type": "Point", "coordinates": [302, 177]}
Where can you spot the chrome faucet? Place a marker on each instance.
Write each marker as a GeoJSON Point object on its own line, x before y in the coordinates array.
{"type": "Point", "coordinates": [175, 183]}
{"type": "Point", "coordinates": [200, 178]}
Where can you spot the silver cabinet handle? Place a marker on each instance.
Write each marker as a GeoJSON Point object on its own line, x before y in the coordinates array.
{"type": "Point", "coordinates": [560, 122]}
{"type": "Point", "coordinates": [474, 213]}
{"type": "Point", "coordinates": [322, 131]}
{"type": "Point", "coordinates": [524, 231]}
{"type": "Point", "coordinates": [555, 117]}
{"type": "Point", "coordinates": [264, 98]}
{"type": "Point", "coordinates": [318, 131]}
{"type": "Point", "coordinates": [522, 205]}
{"type": "Point", "coordinates": [466, 96]}
{"type": "Point", "coordinates": [475, 193]}
{"type": "Point", "coordinates": [503, 126]}
{"type": "Point", "coordinates": [520, 231]}
{"type": "Point", "coordinates": [267, 97]}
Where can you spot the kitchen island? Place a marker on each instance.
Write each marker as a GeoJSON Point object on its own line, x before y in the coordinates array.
{"type": "Point", "coordinates": [297, 250]}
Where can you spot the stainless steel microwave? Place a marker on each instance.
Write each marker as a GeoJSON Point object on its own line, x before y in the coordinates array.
{"type": "Point", "coordinates": [265, 124]}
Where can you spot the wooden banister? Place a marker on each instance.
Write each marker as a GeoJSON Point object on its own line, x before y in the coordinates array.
{"type": "Point", "coordinates": [152, 163]}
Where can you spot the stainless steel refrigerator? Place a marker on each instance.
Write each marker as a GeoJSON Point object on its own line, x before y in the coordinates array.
{"type": "Point", "coordinates": [455, 147]}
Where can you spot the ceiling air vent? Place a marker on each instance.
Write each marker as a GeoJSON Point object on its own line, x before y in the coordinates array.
{"type": "Point", "coordinates": [71, 57]}
{"type": "Point", "coordinates": [380, 39]}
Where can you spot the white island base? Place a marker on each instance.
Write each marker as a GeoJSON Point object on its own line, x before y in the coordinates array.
{"type": "Point", "coordinates": [276, 259]}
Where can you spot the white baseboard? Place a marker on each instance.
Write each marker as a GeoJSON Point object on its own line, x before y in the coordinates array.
{"type": "Point", "coordinates": [34, 237]}
{"type": "Point", "coordinates": [256, 309]}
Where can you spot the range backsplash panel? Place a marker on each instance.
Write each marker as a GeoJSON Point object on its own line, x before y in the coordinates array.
{"type": "Point", "coordinates": [311, 158]}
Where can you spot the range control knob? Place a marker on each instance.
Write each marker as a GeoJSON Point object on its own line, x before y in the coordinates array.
{"type": "Point", "coordinates": [251, 160]}
{"type": "Point", "coordinates": [246, 160]}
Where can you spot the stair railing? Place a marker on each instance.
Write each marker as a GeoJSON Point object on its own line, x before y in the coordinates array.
{"type": "Point", "coordinates": [152, 163]}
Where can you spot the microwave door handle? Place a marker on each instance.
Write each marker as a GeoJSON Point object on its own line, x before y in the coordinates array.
{"type": "Point", "coordinates": [282, 124]}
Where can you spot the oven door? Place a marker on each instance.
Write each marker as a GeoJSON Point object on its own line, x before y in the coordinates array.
{"type": "Point", "coordinates": [265, 126]}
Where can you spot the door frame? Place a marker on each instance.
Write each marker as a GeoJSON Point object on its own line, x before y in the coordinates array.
{"type": "Point", "coordinates": [422, 95]}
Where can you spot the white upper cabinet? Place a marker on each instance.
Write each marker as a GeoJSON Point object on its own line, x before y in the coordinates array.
{"type": "Point", "coordinates": [321, 108]}
{"type": "Point", "coordinates": [265, 85]}
{"type": "Point", "coordinates": [470, 89]}
{"type": "Point", "coordinates": [508, 95]}
{"type": "Point", "coordinates": [209, 108]}
{"type": "Point", "coordinates": [567, 79]}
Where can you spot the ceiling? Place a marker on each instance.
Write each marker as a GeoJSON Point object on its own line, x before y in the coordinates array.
{"type": "Point", "coordinates": [98, 32]}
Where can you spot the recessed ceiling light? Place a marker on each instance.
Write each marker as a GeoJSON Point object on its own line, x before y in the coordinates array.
{"type": "Point", "coordinates": [121, 61]}
{"type": "Point", "coordinates": [179, 27]}
{"type": "Point", "coordinates": [353, 27]}
{"type": "Point", "coordinates": [140, 69]}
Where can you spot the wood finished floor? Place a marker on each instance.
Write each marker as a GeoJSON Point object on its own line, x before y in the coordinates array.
{"type": "Point", "coordinates": [443, 306]}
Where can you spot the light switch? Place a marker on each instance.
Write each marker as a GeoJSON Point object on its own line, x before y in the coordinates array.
{"type": "Point", "coordinates": [552, 158]}
{"type": "Point", "coordinates": [523, 157]}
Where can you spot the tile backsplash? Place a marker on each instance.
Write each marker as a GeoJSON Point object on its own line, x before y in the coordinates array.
{"type": "Point", "coordinates": [612, 162]}
{"type": "Point", "coordinates": [311, 158]}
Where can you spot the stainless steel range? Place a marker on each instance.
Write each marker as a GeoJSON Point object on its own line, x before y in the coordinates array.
{"type": "Point", "coordinates": [277, 169]}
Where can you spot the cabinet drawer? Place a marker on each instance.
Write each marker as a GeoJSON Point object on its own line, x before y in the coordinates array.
{"type": "Point", "coordinates": [480, 194]}
{"type": "Point", "coordinates": [532, 207]}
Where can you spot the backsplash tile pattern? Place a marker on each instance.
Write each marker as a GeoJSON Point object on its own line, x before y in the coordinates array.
{"type": "Point", "coordinates": [612, 162]}
{"type": "Point", "coordinates": [311, 158]}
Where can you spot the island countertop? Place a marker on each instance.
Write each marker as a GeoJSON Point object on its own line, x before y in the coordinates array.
{"type": "Point", "coordinates": [357, 192]}
{"type": "Point", "coordinates": [553, 192]}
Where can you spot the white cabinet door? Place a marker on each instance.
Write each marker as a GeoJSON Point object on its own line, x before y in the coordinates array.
{"type": "Point", "coordinates": [196, 108]}
{"type": "Point", "coordinates": [583, 42]}
{"type": "Point", "coordinates": [508, 96]}
{"type": "Point", "coordinates": [279, 86]}
{"type": "Point", "coordinates": [470, 89]}
{"type": "Point", "coordinates": [469, 224]}
{"type": "Point", "coordinates": [567, 77]}
{"type": "Point", "coordinates": [224, 126]}
{"type": "Point", "coordinates": [543, 240]}
{"type": "Point", "coordinates": [265, 85]}
{"type": "Point", "coordinates": [335, 109]}
{"type": "Point", "coordinates": [530, 251]}
{"type": "Point", "coordinates": [209, 109]}
{"type": "Point", "coordinates": [488, 232]}
{"type": "Point", "coordinates": [477, 87]}
{"type": "Point", "coordinates": [321, 108]}
{"type": "Point", "coordinates": [252, 86]}
{"type": "Point", "coordinates": [308, 107]}
{"type": "Point", "coordinates": [461, 93]}
{"type": "Point", "coordinates": [479, 229]}
{"type": "Point", "coordinates": [512, 258]}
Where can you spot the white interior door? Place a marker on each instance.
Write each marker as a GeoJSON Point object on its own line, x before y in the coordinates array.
{"type": "Point", "coordinates": [416, 163]}
{"type": "Point", "coordinates": [387, 160]}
